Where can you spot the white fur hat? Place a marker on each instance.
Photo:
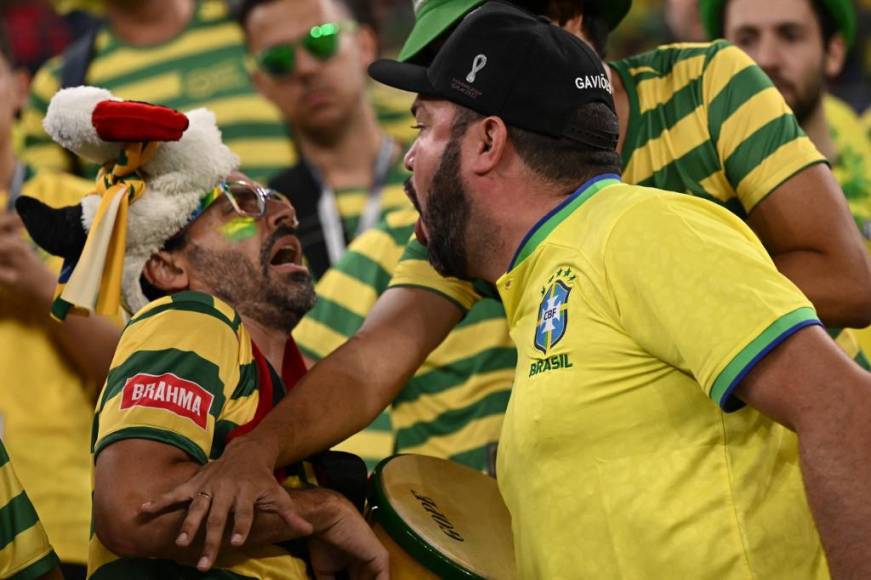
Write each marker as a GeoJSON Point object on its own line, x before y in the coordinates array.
{"type": "Point", "coordinates": [178, 175]}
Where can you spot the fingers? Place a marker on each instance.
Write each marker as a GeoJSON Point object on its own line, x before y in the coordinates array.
{"type": "Point", "coordinates": [181, 494]}
{"type": "Point", "coordinates": [243, 517]}
{"type": "Point", "coordinates": [215, 524]}
{"type": "Point", "coordinates": [197, 510]}
{"type": "Point", "coordinates": [10, 223]}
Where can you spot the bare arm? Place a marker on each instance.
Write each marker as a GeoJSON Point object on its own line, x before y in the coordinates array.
{"type": "Point", "coordinates": [88, 342]}
{"type": "Point", "coordinates": [342, 394]}
{"type": "Point", "coordinates": [810, 386]}
{"type": "Point", "coordinates": [806, 227]}
{"type": "Point", "coordinates": [120, 488]}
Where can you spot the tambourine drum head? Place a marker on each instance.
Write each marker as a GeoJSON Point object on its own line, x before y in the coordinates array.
{"type": "Point", "coordinates": [448, 519]}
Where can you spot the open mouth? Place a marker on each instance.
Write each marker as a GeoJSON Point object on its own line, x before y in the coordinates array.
{"type": "Point", "coordinates": [287, 252]}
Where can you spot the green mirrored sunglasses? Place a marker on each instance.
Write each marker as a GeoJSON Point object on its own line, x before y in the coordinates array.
{"type": "Point", "coordinates": [322, 42]}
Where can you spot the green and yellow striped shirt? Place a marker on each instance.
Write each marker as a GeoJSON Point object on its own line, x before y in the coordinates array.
{"type": "Point", "coordinates": [453, 405]}
{"type": "Point", "coordinates": [184, 374]}
{"type": "Point", "coordinates": [704, 120]}
{"type": "Point", "coordinates": [24, 549]}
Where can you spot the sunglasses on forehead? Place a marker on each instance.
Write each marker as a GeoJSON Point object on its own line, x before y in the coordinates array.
{"type": "Point", "coordinates": [322, 42]}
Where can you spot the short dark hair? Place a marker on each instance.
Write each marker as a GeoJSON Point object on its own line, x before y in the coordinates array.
{"type": "Point", "coordinates": [361, 11]}
{"type": "Point", "coordinates": [825, 19]}
{"type": "Point", "coordinates": [559, 160]}
{"type": "Point", "coordinates": [594, 25]}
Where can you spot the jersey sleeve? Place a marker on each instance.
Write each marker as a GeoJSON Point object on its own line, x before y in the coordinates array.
{"type": "Point", "coordinates": [757, 138]}
{"type": "Point", "coordinates": [350, 288]}
{"type": "Point", "coordinates": [176, 365]}
{"type": "Point", "coordinates": [415, 271]}
{"type": "Point", "coordinates": [24, 548]}
{"type": "Point", "coordinates": [40, 152]}
{"type": "Point", "coordinates": [694, 287]}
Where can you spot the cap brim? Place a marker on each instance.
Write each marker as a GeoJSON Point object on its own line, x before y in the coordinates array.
{"type": "Point", "coordinates": [433, 20]}
{"type": "Point", "coordinates": [402, 75]}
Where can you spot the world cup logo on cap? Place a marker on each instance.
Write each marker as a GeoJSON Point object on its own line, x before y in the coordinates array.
{"type": "Point", "coordinates": [477, 64]}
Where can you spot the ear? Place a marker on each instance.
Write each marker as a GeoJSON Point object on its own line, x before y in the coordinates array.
{"type": "Point", "coordinates": [489, 140]}
{"type": "Point", "coordinates": [21, 78]}
{"type": "Point", "coordinates": [166, 272]}
{"type": "Point", "coordinates": [367, 41]}
{"type": "Point", "coordinates": [835, 55]}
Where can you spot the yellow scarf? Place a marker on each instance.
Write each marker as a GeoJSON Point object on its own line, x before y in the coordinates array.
{"type": "Point", "coordinates": [93, 283]}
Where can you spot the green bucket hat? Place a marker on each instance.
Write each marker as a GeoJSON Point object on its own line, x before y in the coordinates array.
{"type": "Point", "coordinates": [433, 17]}
{"type": "Point", "coordinates": [711, 12]}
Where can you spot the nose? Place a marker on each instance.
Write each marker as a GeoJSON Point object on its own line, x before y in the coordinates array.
{"type": "Point", "coordinates": [280, 213]}
{"type": "Point", "coordinates": [305, 64]}
{"type": "Point", "coordinates": [408, 160]}
{"type": "Point", "coordinates": [767, 53]}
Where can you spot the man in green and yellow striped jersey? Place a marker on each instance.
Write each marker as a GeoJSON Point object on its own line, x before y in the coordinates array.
{"type": "Point", "coordinates": [25, 553]}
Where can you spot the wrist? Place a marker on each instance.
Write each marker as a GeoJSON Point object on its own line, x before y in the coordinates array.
{"type": "Point", "coordinates": [259, 444]}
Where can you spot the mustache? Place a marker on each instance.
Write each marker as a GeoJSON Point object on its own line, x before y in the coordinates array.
{"type": "Point", "coordinates": [280, 232]}
{"type": "Point", "coordinates": [411, 192]}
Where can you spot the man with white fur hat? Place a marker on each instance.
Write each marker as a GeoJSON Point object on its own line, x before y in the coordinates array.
{"type": "Point", "coordinates": [203, 362]}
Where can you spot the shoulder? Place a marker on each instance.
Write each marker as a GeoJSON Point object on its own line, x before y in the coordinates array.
{"type": "Point", "coordinates": [204, 311]}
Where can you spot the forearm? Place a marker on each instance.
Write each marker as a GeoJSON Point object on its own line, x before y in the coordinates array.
{"type": "Point", "coordinates": [345, 391]}
{"type": "Point", "coordinates": [837, 474]}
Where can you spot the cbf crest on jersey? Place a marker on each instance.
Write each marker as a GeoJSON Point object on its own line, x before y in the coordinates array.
{"type": "Point", "coordinates": [553, 315]}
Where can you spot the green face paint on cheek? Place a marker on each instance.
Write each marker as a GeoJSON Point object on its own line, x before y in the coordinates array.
{"type": "Point", "coordinates": [239, 228]}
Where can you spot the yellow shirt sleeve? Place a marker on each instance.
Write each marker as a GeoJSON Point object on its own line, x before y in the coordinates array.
{"type": "Point", "coordinates": [415, 271]}
{"type": "Point", "coordinates": [175, 367]}
{"type": "Point", "coordinates": [695, 288]}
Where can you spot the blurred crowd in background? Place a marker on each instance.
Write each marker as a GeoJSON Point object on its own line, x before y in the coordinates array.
{"type": "Point", "coordinates": [40, 29]}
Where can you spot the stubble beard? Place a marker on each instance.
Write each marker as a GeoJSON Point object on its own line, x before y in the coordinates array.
{"type": "Point", "coordinates": [277, 302]}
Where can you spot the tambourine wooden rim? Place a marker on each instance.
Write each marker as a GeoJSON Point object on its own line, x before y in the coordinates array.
{"type": "Point", "coordinates": [407, 538]}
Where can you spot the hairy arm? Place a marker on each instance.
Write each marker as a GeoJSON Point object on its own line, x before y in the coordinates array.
{"type": "Point", "coordinates": [805, 225]}
{"type": "Point", "coordinates": [810, 386]}
{"type": "Point", "coordinates": [120, 488]}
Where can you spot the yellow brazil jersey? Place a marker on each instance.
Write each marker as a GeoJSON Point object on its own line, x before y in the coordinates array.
{"type": "Point", "coordinates": [184, 374]}
{"type": "Point", "coordinates": [45, 404]}
{"type": "Point", "coordinates": [25, 553]}
{"type": "Point", "coordinates": [703, 120]}
{"type": "Point", "coordinates": [635, 312]}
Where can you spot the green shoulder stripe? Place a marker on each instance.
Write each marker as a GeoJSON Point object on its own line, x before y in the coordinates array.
{"type": "Point", "coordinates": [762, 143]}
{"type": "Point", "coordinates": [657, 120]}
{"type": "Point", "coordinates": [693, 166]}
{"type": "Point", "coordinates": [414, 250]}
{"type": "Point", "coordinates": [740, 88]}
{"type": "Point", "coordinates": [4, 456]}
{"type": "Point", "coordinates": [190, 302]}
{"type": "Point", "coordinates": [16, 516]}
{"type": "Point", "coordinates": [734, 372]}
{"type": "Point", "coordinates": [153, 434]}
{"type": "Point", "coordinates": [38, 569]}
{"type": "Point", "coordinates": [336, 316]}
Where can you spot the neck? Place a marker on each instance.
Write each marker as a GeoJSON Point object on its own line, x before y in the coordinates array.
{"type": "Point", "coordinates": [508, 227]}
{"type": "Point", "coordinates": [270, 341]}
{"type": "Point", "coordinates": [146, 23]}
{"type": "Point", "coordinates": [621, 104]}
{"type": "Point", "coordinates": [817, 129]}
{"type": "Point", "coordinates": [7, 163]}
{"type": "Point", "coordinates": [345, 157]}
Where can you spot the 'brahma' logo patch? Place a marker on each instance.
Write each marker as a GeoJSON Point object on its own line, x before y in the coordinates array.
{"type": "Point", "coordinates": [169, 392]}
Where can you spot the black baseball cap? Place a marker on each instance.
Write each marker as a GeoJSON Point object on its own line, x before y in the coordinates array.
{"type": "Point", "coordinates": [504, 61]}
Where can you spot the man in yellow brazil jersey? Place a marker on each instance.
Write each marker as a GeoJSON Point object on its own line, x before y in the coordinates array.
{"type": "Point", "coordinates": [644, 322]}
